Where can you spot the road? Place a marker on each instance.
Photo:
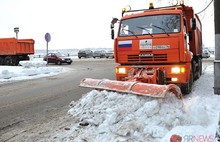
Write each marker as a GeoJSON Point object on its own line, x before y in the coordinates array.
{"type": "Point", "coordinates": [33, 102]}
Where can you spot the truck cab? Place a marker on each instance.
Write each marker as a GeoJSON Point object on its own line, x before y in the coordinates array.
{"type": "Point", "coordinates": [159, 46]}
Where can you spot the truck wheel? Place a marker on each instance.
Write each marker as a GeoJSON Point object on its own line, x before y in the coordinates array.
{"type": "Point", "coordinates": [187, 88]}
{"type": "Point", "coordinates": [8, 60]}
{"type": "Point", "coordinates": [27, 58]}
{"type": "Point", "coordinates": [197, 69]}
{"type": "Point", "coordinates": [200, 67]}
{"type": "Point", "coordinates": [194, 69]}
{"type": "Point", "coordinates": [1, 61]}
{"type": "Point", "coordinates": [15, 61]}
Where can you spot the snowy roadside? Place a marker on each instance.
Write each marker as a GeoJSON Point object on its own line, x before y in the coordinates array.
{"type": "Point", "coordinates": [36, 68]}
{"type": "Point", "coordinates": [101, 116]}
{"type": "Point", "coordinates": [27, 70]}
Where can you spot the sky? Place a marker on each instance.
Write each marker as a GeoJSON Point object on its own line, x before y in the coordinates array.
{"type": "Point", "coordinates": [111, 116]}
{"type": "Point", "coordinates": [79, 24]}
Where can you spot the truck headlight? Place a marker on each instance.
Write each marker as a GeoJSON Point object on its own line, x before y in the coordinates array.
{"type": "Point", "coordinates": [175, 70]}
{"type": "Point", "coordinates": [178, 70]}
{"type": "Point", "coordinates": [121, 70]}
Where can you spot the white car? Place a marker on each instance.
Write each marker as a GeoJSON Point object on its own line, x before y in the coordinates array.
{"type": "Point", "coordinates": [100, 54]}
{"type": "Point", "coordinates": [109, 54]}
{"type": "Point", "coordinates": [205, 54]}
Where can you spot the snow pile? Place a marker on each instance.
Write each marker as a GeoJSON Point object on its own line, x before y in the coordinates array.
{"type": "Point", "coordinates": [28, 64]}
{"type": "Point", "coordinates": [101, 116]}
{"type": "Point", "coordinates": [28, 70]}
{"type": "Point", "coordinates": [202, 111]}
{"type": "Point", "coordinates": [124, 117]}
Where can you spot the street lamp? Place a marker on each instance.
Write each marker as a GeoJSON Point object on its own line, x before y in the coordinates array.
{"type": "Point", "coordinates": [16, 30]}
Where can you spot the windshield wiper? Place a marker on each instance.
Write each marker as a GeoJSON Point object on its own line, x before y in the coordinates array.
{"type": "Point", "coordinates": [145, 30]}
{"type": "Point", "coordinates": [130, 32]}
{"type": "Point", "coordinates": [160, 29]}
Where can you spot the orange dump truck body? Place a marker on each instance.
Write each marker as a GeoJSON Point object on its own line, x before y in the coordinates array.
{"type": "Point", "coordinates": [13, 46]}
{"type": "Point", "coordinates": [166, 54]}
{"type": "Point", "coordinates": [13, 50]}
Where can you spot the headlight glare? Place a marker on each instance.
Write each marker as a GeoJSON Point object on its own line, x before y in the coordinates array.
{"type": "Point", "coordinates": [175, 70]}
{"type": "Point", "coordinates": [121, 70]}
{"type": "Point", "coordinates": [174, 79]}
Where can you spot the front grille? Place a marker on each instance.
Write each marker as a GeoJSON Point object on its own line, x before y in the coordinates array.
{"type": "Point", "coordinates": [154, 57]}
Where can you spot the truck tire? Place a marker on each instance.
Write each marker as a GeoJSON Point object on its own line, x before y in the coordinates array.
{"type": "Point", "coordinates": [1, 61]}
{"type": "Point", "coordinates": [200, 67]}
{"type": "Point", "coordinates": [8, 61]}
{"type": "Point", "coordinates": [27, 58]}
{"type": "Point", "coordinates": [194, 69]}
{"type": "Point", "coordinates": [197, 68]}
{"type": "Point", "coordinates": [15, 61]}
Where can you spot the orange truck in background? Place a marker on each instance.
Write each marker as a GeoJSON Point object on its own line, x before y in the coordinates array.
{"type": "Point", "coordinates": [13, 50]}
{"type": "Point", "coordinates": [159, 46]}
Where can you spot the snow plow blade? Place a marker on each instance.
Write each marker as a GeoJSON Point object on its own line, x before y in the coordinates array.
{"type": "Point", "coordinates": [138, 88]}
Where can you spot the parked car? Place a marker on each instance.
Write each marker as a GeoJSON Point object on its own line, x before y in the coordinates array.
{"type": "Point", "coordinates": [205, 54]}
{"type": "Point", "coordinates": [57, 58]}
{"type": "Point", "coordinates": [100, 54]}
{"type": "Point", "coordinates": [109, 54]}
{"type": "Point", "coordinates": [85, 54]}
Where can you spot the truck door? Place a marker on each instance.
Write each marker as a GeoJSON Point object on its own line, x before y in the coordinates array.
{"type": "Point", "coordinates": [186, 36]}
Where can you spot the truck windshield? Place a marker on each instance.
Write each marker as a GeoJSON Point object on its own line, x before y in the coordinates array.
{"type": "Point", "coordinates": [150, 25]}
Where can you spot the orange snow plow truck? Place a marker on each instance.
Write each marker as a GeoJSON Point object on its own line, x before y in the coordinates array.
{"type": "Point", "coordinates": [158, 51]}
{"type": "Point", "coordinates": [13, 50]}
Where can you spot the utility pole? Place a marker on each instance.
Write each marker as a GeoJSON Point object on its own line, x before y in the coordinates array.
{"type": "Point", "coordinates": [217, 47]}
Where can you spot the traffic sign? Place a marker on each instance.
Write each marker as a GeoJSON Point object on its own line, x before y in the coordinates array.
{"type": "Point", "coordinates": [47, 37]}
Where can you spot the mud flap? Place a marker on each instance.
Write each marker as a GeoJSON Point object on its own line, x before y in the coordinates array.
{"type": "Point", "coordinates": [138, 88]}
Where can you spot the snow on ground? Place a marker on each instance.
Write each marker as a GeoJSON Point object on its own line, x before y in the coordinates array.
{"type": "Point", "coordinates": [27, 70]}
{"type": "Point", "coordinates": [101, 116]}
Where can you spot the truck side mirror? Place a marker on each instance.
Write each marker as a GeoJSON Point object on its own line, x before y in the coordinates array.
{"type": "Point", "coordinates": [112, 33]}
{"type": "Point", "coordinates": [114, 20]}
{"type": "Point", "coordinates": [193, 23]}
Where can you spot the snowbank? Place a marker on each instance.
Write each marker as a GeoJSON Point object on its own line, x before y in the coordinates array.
{"type": "Point", "coordinates": [101, 116]}
{"type": "Point", "coordinates": [28, 70]}
{"type": "Point", "coordinates": [124, 117]}
{"type": "Point", "coordinates": [28, 64]}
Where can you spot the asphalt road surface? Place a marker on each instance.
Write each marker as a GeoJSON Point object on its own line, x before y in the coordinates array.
{"type": "Point", "coordinates": [36, 101]}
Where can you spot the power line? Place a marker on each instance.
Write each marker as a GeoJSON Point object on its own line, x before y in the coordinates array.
{"type": "Point", "coordinates": [205, 7]}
